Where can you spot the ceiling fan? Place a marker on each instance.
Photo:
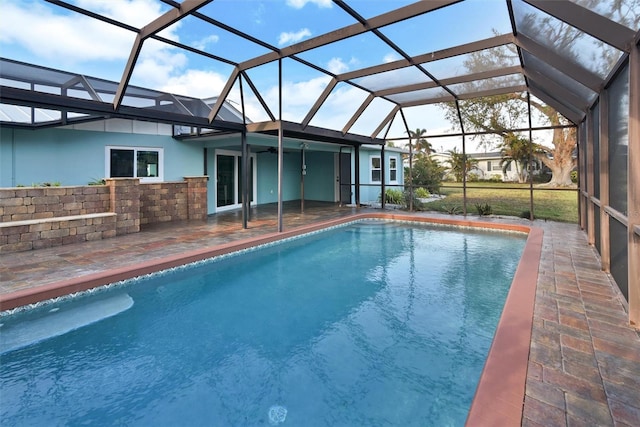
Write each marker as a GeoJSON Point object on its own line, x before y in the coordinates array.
{"type": "Point", "coordinates": [272, 150]}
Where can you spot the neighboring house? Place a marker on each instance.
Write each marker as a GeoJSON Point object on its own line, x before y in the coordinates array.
{"type": "Point", "coordinates": [489, 166]}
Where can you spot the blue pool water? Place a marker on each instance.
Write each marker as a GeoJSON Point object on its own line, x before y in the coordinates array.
{"type": "Point", "coordinates": [371, 324]}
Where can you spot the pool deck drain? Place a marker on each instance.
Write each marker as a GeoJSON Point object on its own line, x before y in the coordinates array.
{"type": "Point", "coordinates": [584, 359]}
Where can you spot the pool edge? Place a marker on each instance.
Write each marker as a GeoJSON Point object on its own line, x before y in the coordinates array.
{"type": "Point", "coordinates": [499, 396]}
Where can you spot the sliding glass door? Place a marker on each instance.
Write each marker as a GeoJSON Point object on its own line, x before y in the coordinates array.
{"type": "Point", "coordinates": [228, 183]}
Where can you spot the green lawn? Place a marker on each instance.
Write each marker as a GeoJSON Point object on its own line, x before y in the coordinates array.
{"type": "Point", "coordinates": [555, 205]}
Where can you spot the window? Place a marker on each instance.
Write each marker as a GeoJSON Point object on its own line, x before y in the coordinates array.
{"type": "Point", "coordinates": [489, 165]}
{"type": "Point", "coordinates": [131, 162]}
{"type": "Point", "coordinates": [393, 169]}
{"type": "Point", "coordinates": [376, 171]}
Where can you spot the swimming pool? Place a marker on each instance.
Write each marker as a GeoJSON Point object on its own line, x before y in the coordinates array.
{"type": "Point", "coordinates": [345, 327]}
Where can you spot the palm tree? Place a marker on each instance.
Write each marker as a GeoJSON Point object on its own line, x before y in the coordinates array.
{"type": "Point", "coordinates": [421, 145]}
{"type": "Point", "coordinates": [515, 149]}
{"type": "Point", "coordinates": [460, 164]}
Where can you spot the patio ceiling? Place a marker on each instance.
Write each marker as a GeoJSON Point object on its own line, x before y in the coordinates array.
{"type": "Point", "coordinates": [562, 52]}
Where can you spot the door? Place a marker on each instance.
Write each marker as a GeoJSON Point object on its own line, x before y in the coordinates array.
{"type": "Point", "coordinates": [225, 175]}
{"type": "Point", "coordinates": [344, 178]}
{"type": "Point", "coordinates": [226, 188]}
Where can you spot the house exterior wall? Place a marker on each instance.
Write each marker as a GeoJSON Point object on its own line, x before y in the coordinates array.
{"type": "Point", "coordinates": [370, 190]}
{"type": "Point", "coordinates": [77, 156]}
{"type": "Point", "coordinates": [321, 176]}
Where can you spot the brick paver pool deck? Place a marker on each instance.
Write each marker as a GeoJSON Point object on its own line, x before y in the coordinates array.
{"type": "Point", "coordinates": [584, 360]}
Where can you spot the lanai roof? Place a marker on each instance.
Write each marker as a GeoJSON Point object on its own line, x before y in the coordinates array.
{"type": "Point", "coordinates": [406, 57]}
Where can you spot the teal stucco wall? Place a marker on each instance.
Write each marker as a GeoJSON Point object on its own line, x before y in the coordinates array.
{"type": "Point", "coordinates": [76, 157]}
{"type": "Point", "coordinates": [370, 191]}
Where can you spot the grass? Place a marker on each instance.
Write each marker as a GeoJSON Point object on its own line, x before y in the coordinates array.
{"type": "Point", "coordinates": [550, 204]}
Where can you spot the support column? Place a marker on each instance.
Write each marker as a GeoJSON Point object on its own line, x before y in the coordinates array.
{"type": "Point", "coordinates": [590, 181]}
{"type": "Point", "coordinates": [246, 200]}
{"type": "Point", "coordinates": [605, 244]}
{"type": "Point", "coordinates": [633, 189]}
{"type": "Point", "coordinates": [197, 197]}
{"type": "Point", "coordinates": [280, 171]}
{"type": "Point", "coordinates": [530, 165]}
{"type": "Point", "coordinates": [383, 186]}
{"type": "Point", "coordinates": [125, 201]}
{"type": "Point", "coordinates": [357, 173]}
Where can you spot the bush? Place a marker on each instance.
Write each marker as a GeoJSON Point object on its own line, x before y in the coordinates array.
{"type": "Point", "coordinates": [425, 173]}
{"type": "Point", "coordinates": [421, 193]}
{"type": "Point", "coordinates": [484, 209]}
{"type": "Point", "coordinates": [452, 210]}
{"type": "Point", "coordinates": [526, 214]}
{"type": "Point", "coordinates": [97, 181]}
{"type": "Point", "coordinates": [394, 197]}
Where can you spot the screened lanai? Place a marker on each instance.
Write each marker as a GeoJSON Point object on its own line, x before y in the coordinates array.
{"type": "Point", "coordinates": [354, 73]}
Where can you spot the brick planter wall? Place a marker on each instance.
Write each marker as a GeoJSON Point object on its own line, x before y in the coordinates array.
{"type": "Point", "coordinates": [163, 202]}
{"type": "Point", "coordinates": [34, 218]}
{"type": "Point", "coordinates": [19, 204]}
{"type": "Point", "coordinates": [125, 201]}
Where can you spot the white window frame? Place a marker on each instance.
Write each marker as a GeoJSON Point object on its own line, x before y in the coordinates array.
{"type": "Point", "coordinates": [372, 168]}
{"type": "Point", "coordinates": [393, 181]}
{"type": "Point", "coordinates": [107, 161]}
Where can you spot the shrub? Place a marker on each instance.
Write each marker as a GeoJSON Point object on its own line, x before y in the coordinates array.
{"type": "Point", "coordinates": [452, 210]}
{"type": "Point", "coordinates": [421, 193]}
{"type": "Point", "coordinates": [526, 214]}
{"type": "Point", "coordinates": [395, 197]}
{"type": "Point", "coordinates": [483, 209]}
{"type": "Point", "coordinates": [425, 173]}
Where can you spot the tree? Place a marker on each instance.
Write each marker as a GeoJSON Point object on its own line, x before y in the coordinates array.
{"type": "Point", "coordinates": [427, 173]}
{"type": "Point", "coordinates": [498, 114]}
{"type": "Point", "coordinates": [420, 144]}
{"type": "Point", "coordinates": [515, 150]}
{"type": "Point", "coordinates": [460, 164]}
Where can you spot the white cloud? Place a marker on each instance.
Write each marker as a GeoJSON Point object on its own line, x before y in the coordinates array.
{"type": "Point", "coordinates": [203, 43]}
{"type": "Point", "coordinates": [337, 66]}
{"type": "Point", "coordinates": [195, 83]}
{"type": "Point", "coordinates": [390, 57]}
{"type": "Point", "coordinates": [299, 4]}
{"type": "Point", "coordinates": [73, 38]}
{"type": "Point", "coordinates": [67, 39]}
{"type": "Point", "coordinates": [287, 38]}
{"type": "Point", "coordinates": [258, 14]}
{"type": "Point", "coordinates": [133, 12]}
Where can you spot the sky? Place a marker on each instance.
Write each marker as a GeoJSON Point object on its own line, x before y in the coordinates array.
{"type": "Point", "coordinates": [37, 32]}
